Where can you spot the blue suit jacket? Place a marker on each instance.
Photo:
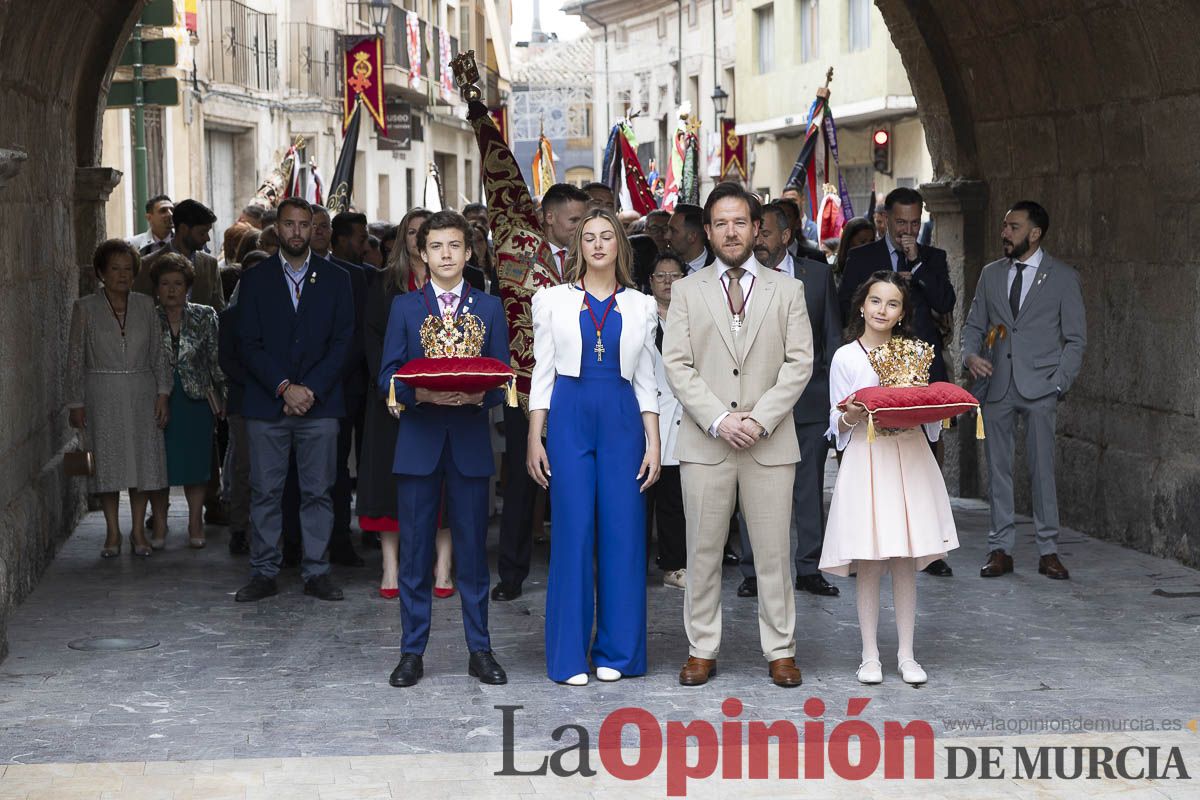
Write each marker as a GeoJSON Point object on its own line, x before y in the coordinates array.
{"type": "Point", "coordinates": [425, 429]}
{"type": "Point", "coordinates": [307, 345]}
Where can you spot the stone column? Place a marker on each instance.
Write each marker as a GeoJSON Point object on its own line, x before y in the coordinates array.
{"type": "Point", "coordinates": [960, 227]}
{"type": "Point", "coordinates": [93, 185]}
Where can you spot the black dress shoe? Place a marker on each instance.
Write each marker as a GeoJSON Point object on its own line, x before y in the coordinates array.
{"type": "Point", "coordinates": [816, 584]}
{"type": "Point", "coordinates": [238, 545]}
{"type": "Point", "coordinates": [502, 592]}
{"type": "Point", "coordinates": [408, 671]}
{"type": "Point", "coordinates": [939, 568]}
{"type": "Point", "coordinates": [344, 556]}
{"type": "Point", "coordinates": [748, 588]}
{"type": "Point", "coordinates": [258, 588]}
{"type": "Point", "coordinates": [483, 665]}
{"type": "Point", "coordinates": [730, 558]}
{"type": "Point", "coordinates": [322, 588]}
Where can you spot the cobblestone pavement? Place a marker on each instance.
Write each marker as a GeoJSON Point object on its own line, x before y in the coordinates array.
{"type": "Point", "coordinates": [303, 684]}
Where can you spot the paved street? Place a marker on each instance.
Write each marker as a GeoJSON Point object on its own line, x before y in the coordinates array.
{"type": "Point", "coordinates": [292, 677]}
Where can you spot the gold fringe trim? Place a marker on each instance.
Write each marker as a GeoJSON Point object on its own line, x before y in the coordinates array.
{"type": "Point", "coordinates": [391, 401]}
{"type": "Point", "coordinates": [870, 428]}
{"type": "Point", "coordinates": [510, 393]}
{"type": "Point", "coordinates": [946, 424]}
{"type": "Point", "coordinates": [979, 434]}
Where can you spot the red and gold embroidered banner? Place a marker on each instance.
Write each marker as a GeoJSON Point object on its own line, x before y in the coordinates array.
{"type": "Point", "coordinates": [733, 150]}
{"type": "Point", "coordinates": [499, 116]}
{"type": "Point", "coordinates": [364, 79]}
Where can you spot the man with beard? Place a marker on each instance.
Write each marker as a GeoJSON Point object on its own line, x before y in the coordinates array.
{"type": "Point", "coordinates": [193, 224]}
{"type": "Point", "coordinates": [295, 330]}
{"type": "Point", "coordinates": [738, 353]}
{"type": "Point", "coordinates": [811, 414]}
{"type": "Point", "coordinates": [1029, 311]}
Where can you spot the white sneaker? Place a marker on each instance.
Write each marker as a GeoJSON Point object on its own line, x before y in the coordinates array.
{"type": "Point", "coordinates": [911, 672]}
{"type": "Point", "coordinates": [676, 579]}
{"type": "Point", "coordinates": [608, 674]}
{"type": "Point", "coordinates": [870, 672]}
{"type": "Point", "coordinates": [577, 680]}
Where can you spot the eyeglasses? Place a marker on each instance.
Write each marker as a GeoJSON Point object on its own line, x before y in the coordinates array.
{"type": "Point", "coordinates": [663, 277]}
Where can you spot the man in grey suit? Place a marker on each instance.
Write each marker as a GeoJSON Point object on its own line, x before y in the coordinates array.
{"type": "Point", "coordinates": [811, 413]}
{"type": "Point", "coordinates": [158, 235]}
{"type": "Point", "coordinates": [1028, 308]}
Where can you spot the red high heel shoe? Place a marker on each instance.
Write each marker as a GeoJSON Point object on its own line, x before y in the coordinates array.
{"type": "Point", "coordinates": [443, 593]}
{"type": "Point", "coordinates": [389, 594]}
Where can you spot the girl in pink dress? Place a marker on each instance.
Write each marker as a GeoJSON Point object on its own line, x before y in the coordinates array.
{"type": "Point", "coordinates": [890, 509]}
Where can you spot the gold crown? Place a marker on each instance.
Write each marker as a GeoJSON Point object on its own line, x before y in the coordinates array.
{"type": "Point", "coordinates": [902, 362]}
{"type": "Point", "coordinates": [450, 337]}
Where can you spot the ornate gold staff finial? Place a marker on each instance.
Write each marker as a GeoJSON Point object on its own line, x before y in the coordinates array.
{"type": "Point", "coordinates": [466, 75]}
{"type": "Point", "coordinates": [824, 90]}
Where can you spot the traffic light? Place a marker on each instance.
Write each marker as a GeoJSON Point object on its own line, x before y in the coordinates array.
{"type": "Point", "coordinates": [881, 143]}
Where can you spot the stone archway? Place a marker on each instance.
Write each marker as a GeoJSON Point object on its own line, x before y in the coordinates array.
{"type": "Point", "coordinates": [1089, 108]}
{"type": "Point", "coordinates": [56, 59]}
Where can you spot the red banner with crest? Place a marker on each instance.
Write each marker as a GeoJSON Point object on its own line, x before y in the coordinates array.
{"type": "Point", "coordinates": [733, 150]}
{"type": "Point", "coordinates": [364, 79]}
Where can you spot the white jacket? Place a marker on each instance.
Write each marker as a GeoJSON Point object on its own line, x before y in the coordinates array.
{"type": "Point", "coordinates": [558, 345]}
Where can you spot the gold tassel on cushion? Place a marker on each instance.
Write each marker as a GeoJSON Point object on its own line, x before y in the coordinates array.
{"type": "Point", "coordinates": [979, 434]}
{"type": "Point", "coordinates": [870, 428]}
{"type": "Point", "coordinates": [393, 406]}
{"type": "Point", "coordinates": [510, 393]}
{"type": "Point", "coordinates": [946, 424]}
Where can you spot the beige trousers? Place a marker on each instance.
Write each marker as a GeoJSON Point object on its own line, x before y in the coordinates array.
{"type": "Point", "coordinates": [710, 492]}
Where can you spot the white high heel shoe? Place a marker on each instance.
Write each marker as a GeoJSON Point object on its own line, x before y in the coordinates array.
{"type": "Point", "coordinates": [870, 671]}
{"type": "Point", "coordinates": [911, 672]}
{"type": "Point", "coordinates": [577, 680]}
{"type": "Point", "coordinates": [608, 674]}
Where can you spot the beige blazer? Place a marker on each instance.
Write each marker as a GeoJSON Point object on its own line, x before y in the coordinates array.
{"type": "Point", "coordinates": [763, 370]}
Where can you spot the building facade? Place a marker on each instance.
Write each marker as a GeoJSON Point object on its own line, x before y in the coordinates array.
{"type": "Point", "coordinates": [786, 48]}
{"type": "Point", "coordinates": [256, 75]}
{"type": "Point", "coordinates": [653, 55]}
{"type": "Point", "coordinates": [552, 94]}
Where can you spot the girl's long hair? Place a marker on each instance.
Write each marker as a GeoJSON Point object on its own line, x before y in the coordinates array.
{"type": "Point", "coordinates": [576, 266]}
{"type": "Point", "coordinates": [397, 265]}
{"type": "Point", "coordinates": [858, 323]}
{"type": "Point", "coordinates": [849, 231]}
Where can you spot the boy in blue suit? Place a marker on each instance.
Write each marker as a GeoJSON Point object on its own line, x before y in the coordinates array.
{"type": "Point", "coordinates": [443, 438]}
{"type": "Point", "coordinates": [296, 326]}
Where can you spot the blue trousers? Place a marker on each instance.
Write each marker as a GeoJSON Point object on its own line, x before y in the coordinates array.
{"type": "Point", "coordinates": [595, 444]}
{"type": "Point", "coordinates": [418, 500]}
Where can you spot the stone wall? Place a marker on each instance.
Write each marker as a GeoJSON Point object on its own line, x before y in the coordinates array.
{"type": "Point", "coordinates": [51, 202]}
{"type": "Point", "coordinates": [1089, 108]}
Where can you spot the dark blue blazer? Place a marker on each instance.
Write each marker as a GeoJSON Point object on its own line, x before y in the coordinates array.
{"type": "Point", "coordinates": [307, 345]}
{"type": "Point", "coordinates": [358, 380]}
{"type": "Point", "coordinates": [425, 429]}
{"type": "Point", "coordinates": [820, 296]}
{"type": "Point", "coordinates": [931, 291]}
{"type": "Point", "coordinates": [229, 356]}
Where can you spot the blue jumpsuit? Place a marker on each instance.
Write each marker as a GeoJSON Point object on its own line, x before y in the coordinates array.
{"type": "Point", "coordinates": [595, 442]}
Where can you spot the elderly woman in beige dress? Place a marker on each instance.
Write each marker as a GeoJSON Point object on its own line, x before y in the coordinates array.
{"type": "Point", "coordinates": [118, 383]}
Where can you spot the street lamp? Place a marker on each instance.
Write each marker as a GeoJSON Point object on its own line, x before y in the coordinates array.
{"type": "Point", "coordinates": [720, 101]}
{"type": "Point", "coordinates": [378, 11]}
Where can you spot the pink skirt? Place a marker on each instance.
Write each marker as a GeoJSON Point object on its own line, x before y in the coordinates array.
{"type": "Point", "coordinates": [890, 501]}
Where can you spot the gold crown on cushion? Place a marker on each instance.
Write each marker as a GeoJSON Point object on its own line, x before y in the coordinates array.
{"type": "Point", "coordinates": [451, 337]}
{"type": "Point", "coordinates": [902, 362]}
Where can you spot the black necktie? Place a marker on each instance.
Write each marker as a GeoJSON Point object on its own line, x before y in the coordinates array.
{"type": "Point", "coordinates": [1014, 293]}
{"type": "Point", "coordinates": [658, 337]}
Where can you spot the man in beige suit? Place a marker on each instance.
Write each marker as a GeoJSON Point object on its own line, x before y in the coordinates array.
{"type": "Point", "coordinates": [738, 353]}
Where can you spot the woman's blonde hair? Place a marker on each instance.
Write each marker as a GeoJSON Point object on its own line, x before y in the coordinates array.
{"type": "Point", "coordinates": [576, 266]}
{"type": "Point", "coordinates": [397, 265]}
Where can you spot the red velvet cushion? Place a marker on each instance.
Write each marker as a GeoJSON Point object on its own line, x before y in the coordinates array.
{"type": "Point", "coordinates": [458, 374]}
{"type": "Point", "coordinates": [910, 406]}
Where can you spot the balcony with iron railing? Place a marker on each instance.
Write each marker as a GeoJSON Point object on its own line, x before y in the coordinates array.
{"type": "Point", "coordinates": [405, 56]}
{"type": "Point", "coordinates": [241, 45]}
{"type": "Point", "coordinates": [314, 60]}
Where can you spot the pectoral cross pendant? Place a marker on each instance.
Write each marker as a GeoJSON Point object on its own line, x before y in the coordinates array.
{"type": "Point", "coordinates": [599, 348]}
{"type": "Point", "coordinates": [735, 324]}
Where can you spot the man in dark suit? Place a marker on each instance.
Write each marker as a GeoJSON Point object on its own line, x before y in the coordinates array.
{"type": "Point", "coordinates": [811, 413]}
{"type": "Point", "coordinates": [348, 244]}
{"type": "Point", "coordinates": [929, 279]}
{"type": "Point", "coordinates": [442, 438]}
{"type": "Point", "coordinates": [295, 328]}
{"type": "Point", "coordinates": [685, 238]}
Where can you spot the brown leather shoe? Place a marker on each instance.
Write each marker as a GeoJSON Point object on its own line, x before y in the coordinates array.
{"type": "Point", "coordinates": [697, 671]}
{"type": "Point", "coordinates": [998, 563]}
{"type": "Point", "coordinates": [784, 672]}
{"type": "Point", "coordinates": [1051, 567]}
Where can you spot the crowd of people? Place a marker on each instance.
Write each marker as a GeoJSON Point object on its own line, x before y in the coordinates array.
{"type": "Point", "coordinates": [687, 388]}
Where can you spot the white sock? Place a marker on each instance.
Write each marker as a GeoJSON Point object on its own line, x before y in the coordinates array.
{"type": "Point", "coordinates": [904, 598]}
{"type": "Point", "coordinates": [866, 589]}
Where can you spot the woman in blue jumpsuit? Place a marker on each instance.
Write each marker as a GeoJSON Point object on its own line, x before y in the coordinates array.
{"type": "Point", "coordinates": [593, 387]}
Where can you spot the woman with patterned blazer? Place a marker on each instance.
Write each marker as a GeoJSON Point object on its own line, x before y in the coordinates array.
{"type": "Point", "coordinates": [189, 335]}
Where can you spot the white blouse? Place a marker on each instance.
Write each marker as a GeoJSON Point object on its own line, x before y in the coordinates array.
{"type": "Point", "coordinates": [850, 371]}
